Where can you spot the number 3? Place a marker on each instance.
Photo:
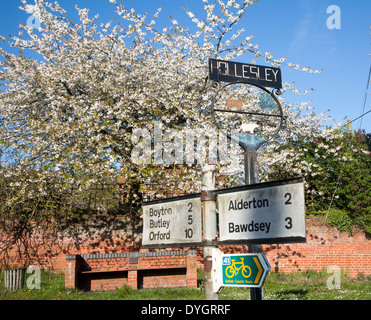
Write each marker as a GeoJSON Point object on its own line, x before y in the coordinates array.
{"type": "Point", "coordinates": [289, 223]}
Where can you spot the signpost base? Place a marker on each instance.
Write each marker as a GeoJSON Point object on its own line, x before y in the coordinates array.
{"type": "Point", "coordinates": [256, 293]}
{"type": "Point", "coordinates": [209, 224]}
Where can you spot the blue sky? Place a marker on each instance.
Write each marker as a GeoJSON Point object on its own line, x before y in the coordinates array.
{"type": "Point", "coordinates": [295, 29]}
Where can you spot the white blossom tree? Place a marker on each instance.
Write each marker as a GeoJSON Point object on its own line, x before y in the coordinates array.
{"type": "Point", "coordinates": [67, 115]}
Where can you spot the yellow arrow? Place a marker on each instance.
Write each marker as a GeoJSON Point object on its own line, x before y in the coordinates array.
{"type": "Point", "coordinates": [260, 269]}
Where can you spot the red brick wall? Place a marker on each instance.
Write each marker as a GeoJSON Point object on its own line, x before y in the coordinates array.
{"type": "Point", "coordinates": [325, 247]}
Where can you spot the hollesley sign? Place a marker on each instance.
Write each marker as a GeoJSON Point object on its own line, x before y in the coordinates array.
{"type": "Point", "coordinates": [229, 71]}
{"type": "Point", "coordinates": [263, 213]}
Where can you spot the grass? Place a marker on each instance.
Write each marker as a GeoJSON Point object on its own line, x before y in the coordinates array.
{"type": "Point", "coordinates": [313, 286]}
{"type": "Point", "coordinates": [279, 286]}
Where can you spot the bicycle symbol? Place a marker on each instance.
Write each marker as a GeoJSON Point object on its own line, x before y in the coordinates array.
{"type": "Point", "coordinates": [233, 269]}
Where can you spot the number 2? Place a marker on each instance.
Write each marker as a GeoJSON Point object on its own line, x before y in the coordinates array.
{"type": "Point", "coordinates": [288, 196]}
{"type": "Point", "coordinates": [190, 206]}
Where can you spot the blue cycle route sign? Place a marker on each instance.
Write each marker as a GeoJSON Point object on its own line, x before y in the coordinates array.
{"type": "Point", "coordinates": [244, 270]}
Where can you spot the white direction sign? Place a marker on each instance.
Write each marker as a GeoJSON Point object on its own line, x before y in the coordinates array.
{"type": "Point", "coordinates": [272, 212]}
{"type": "Point", "coordinates": [173, 221]}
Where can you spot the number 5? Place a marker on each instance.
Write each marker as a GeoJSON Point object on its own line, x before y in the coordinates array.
{"type": "Point", "coordinates": [190, 219]}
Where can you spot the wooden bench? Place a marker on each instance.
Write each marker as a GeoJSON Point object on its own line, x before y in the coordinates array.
{"type": "Point", "coordinates": [160, 269]}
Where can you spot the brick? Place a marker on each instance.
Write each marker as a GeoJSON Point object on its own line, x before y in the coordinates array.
{"type": "Point", "coordinates": [324, 247]}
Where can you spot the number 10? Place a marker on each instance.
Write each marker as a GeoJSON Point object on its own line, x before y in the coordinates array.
{"type": "Point", "coordinates": [188, 233]}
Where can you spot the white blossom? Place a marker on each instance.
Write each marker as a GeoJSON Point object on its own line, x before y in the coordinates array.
{"type": "Point", "coordinates": [69, 113]}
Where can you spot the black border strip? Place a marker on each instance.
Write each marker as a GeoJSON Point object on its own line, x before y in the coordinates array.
{"type": "Point", "coordinates": [173, 245]}
{"type": "Point", "coordinates": [281, 240]}
{"type": "Point", "coordinates": [178, 198]}
{"type": "Point", "coordinates": [229, 190]}
{"type": "Point", "coordinates": [259, 185]}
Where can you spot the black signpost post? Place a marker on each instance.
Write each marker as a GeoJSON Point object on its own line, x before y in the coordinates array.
{"type": "Point", "coordinates": [261, 77]}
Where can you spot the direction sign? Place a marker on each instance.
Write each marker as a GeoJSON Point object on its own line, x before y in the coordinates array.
{"type": "Point", "coordinates": [244, 270]}
{"type": "Point", "coordinates": [239, 270]}
{"type": "Point", "coordinates": [229, 71]}
{"type": "Point", "coordinates": [172, 221]}
{"type": "Point", "coordinates": [271, 212]}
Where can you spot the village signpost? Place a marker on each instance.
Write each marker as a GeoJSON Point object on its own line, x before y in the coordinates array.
{"type": "Point", "coordinates": [259, 78]}
{"type": "Point", "coordinates": [253, 214]}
